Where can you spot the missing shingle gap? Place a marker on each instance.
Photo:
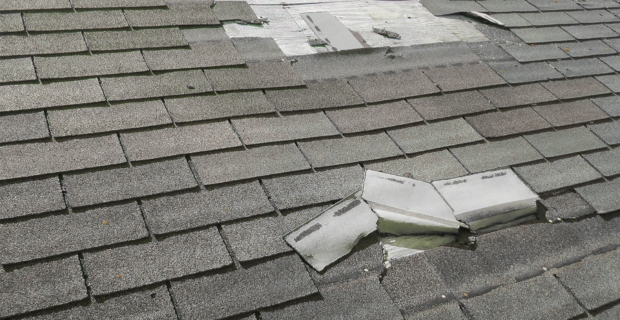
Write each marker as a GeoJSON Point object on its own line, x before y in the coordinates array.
{"type": "Point", "coordinates": [89, 290]}
{"type": "Point", "coordinates": [305, 156]}
{"type": "Point", "coordinates": [174, 123]}
{"type": "Point", "coordinates": [572, 294]}
{"type": "Point", "coordinates": [173, 299]}
{"type": "Point", "coordinates": [120, 141]}
{"type": "Point", "coordinates": [269, 198]}
{"type": "Point", "coordinates": [63, 188]}
{"type": "Point", "coordinates": [231, 252]}
{"type": "Point", "coordinates": [192, 167]}
{"type": "Point", "coordinates": [232, 125]}
{"type": "Point", "coordinates": [333, 123]}
{"type": "Point", "coordinates": [145, 220]}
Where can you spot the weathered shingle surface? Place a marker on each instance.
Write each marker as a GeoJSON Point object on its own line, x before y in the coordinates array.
{"type": "Point", "coordinates": [150, 164]}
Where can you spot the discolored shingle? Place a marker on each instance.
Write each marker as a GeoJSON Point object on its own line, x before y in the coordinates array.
{"type": "Point", "coordinates": [234, 10]}
{"type": "Point", "coordinates": [270, 129]}
{"type": "Point", "coordinates": [514, 72]}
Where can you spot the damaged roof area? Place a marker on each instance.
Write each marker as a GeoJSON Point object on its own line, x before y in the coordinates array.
{"type": "Point", "coordinates": [150, 163]}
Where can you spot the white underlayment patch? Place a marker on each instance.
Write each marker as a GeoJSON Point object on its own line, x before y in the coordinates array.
{"type": "Point", "coordinates": [410, 19]}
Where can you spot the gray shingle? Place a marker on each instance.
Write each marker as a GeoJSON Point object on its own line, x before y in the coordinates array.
{"type": "Point", "coordinates": [562, 114]}
{"type": "Point", "coordinates": [317, 95]}
{"type": "Point", "coordinates": [489, 51]}
{"type": "Point", "coordinates": [11, 22]}
{"type": "Point", "coordinates": [262, 237]}
{"type": "Point", "coordinates": [152, 86]}
{"type": "Point", "coordinates": [26, 160]}
{"type": "Point", "coordinates": [581, 67]}
{"type": "Point", "coordinates": [257, 75]}
{"type": "Point", "coordinates": [527, 53]}
{"type": "Point", "coordinates": [413, 282]}
{"type": "Point", "coordinates": [31, 197]}
{"type": "Point", "coordinates": [245, 290]}
{"type": "Point", "coordinates": [554, 5]}
{"type": "Point", "coordinates": [121, 116]}
{"type": "Point", "coordinates": [542, 297]}
{"type": "Point", "coordinates": [81, 20]}
{"type": "Point", "coordinates": [545, 177]}
{"type": "Point", "coordinates": [182, 14]}
{"type": "Point", "coordinates": [598, 4]}
{"type": "Point", "coordinates": [18, 5]}
{"type": "Point", "coordinates": [213, 54]}
{"type": "Point", "coordinates": [557, 143]}
{"type": "Point", "coordinates": [203, 35]}
{"type": "Point", "coordinates": [434, 135]}
{"type": "Point", "coordinates": [149, 304]}
{"type": "Point", "coordinates": [24, 126]}
{"type": "Point", "coordinates": [444, 7]}
{"type": "Point", "coordinates": [515, 72]}
{"type": "Point", "coordinates": [251, 163]}
{"type": "Point", "coordinates": [391, 86]}
{"type": "Point", "coordinates": [349, 299]}
{"type": "Point", "coordinates": [198, 209]}
{"type": "Point", "coordinates": [508, 6]}
{"type": "Point", "coordinates": [594, 31]}
{"type": "Point", "coordinates": [234, 10]}
{"type": "Point", "coordinates": [566, 206]}
{"type": "Point", "coordinates": [59, 234]}
{"type": "Point", "coordinates": [611, 105]}
{"type": "Point", "coordinates": [373, 117]}
{"type": "Point", "coordinates": [168, 142]}
{"type": "Point", "coordinates": [587, 48]}
{"type": "Point", "coordinates": [41, 286]}
{"type": "Point", "coordinates": [497, 124]}
{"type": "Point", "coordinates": [426, 167]}
{"type": "Point", "coordinates": [614, 43]}
{"type": "Point", "coordinates": [126, 183]}
{"type": "Point", "coordinates": [448, 310]}
{"type": "Point", "coordinates": [602, 196]}
{"type": "Point", "coordinates": [613, 61]}
{"type": "Point", "coordinates": [42, 44]}
{"type": "Point", "coordinates": [293, 127]}
{"type": "Point", "coordinates": [331, 152]}
{"type": "Point", "coordinates": [188, 109]}
{"type": "Point", "coordinates": [258, 49]}
{"type": "Point", "coordinates": [576, 88]}
{"type": "Point", "coordinates": [464, 77]}
{"type": "Point", "coordinates": [511, 20]}
{"type": "Point", "coordinates": [542, 35]}
{"type": "Point", "coordinates": [40, 96]}
{"type": "Point", "coordinates": [608, 131]}
{"type": "Point", "coordinates": [450, 105]}
{"type": "Point", "coordinates": [92, 4]}
{"type": "Point", "coordinates": [593, 16]}
{"type": "Point", "coordinates": [590, 279]}
{"type": "Point", "coordinates": [549, 18]}
{"type": "Point", "coordinates": [310, 188]}
{"type": "Point", "coordinates": [607, 162]}
{"type": "Point", "coordinates": [496, 154]}
{"type": "Point", "coordinates": [14, 70]}
{"type": "Point", "coordinates": [609, 313]}
{"type": "Point", "coordinates": [123, 268]}
{"type": "Point", "coordinates": [89, 65]}
{"type": "Point", "coordinates": [135, 39]}
{"type": "Point", "coordinates": [522, 95]}
{"type": "Point", "coordinates": [611, 81]}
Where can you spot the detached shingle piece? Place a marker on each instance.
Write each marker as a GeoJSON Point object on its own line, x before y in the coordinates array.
{"type": "Point", "coordinates": [497, 154]}
{"type": "Point", "coordinates": [566, 206]}
{"type": "Point", "coordinates": [92, 4]}
{"type": "Point", "coordinates": [24, 126]}
{"type": "Point", "coordinates": [464, 77]}
{"type": "Point", "coordinates": [562, 114]}
{"type": "Point", "coordinates": [542, 35]}
{"type": "Point", "coordinates": [11, 22]}
{"type": "Point", "coordinates": [557, 143]}
{"type": "Point", "coordinates": [41, 286]}
{"type": "Point", "coordinates": [317, 95]}
{"type": "Point", "coordinates": [52, 43]}
{"type": "Point", "coordinates": [26, 160]}
{"type": "Point", "coordinates": [527, 53]}
{"type": "Point", "coordinates": [264, 285]}
{"type": "Point", "coordinates": [258, 49]}
{"type": "Point", "coordinates": [558, 174]}
{"type": "Point", "coordinates": [257, 75]}
{"type": "Point", "coordinates": [121, 116]}
{"type": "Point", "coordinates": [167, 142]}
{"type": "Point", "coordinates": [434, 135]}
{"type": "Point", "coordinates": [515, 72]}
{"type": "Point", "coordinates": [373, 117]}
{"type": "Point", "coordinates": [76, 66]}
{"type": "Point", "coordinates": [127, 183]}
{"type": "Point", "coordinates": [155, 86]}
{"type": "Point", "coordinates": [450, 105]}
{"type": "Point", "coordinates": [212, 54]}
{"type": "Point", "coordinates": [198, 209]}
{"type": "Point", "coordinates": [608, 131]}
{"type": "Point", "coordinates": [426, 167]}
{"type": "Point", "coordinates": [576, 88]}
{"type": "Point", "coordinates": [150, 304]}
{"type": "Point", "coordinates": [56, 94]}
{"type": "Point", "coordinates": [224, 105]}
{"type": "Point", "coordinates": [30, 197]}
{"type": "Point", "coordinates": [135, 39]}
{"type": "Point", "coordinates": [522, 95]}
{"type": "Point", "coordinates": [602, 196]}
{"type": "Point", "coordinates": [269, 129]}
{"type": "Point", "coordinates": [312, 188]}
{"type": "Point", "coordinates": [54, 235]}
{"type": "Point", "coordinates": [134, 266]}
{"type": "Point", "coordinates": [182, 14]}
{"type": "Point", "coordinates": [392, 86]}
{"type": "Point", "coordinates": [234, 10]}
{"type": "Point", "coordinates": [81, 20]}
{"type": "Point", "coordinates": [497, 124]}
{"type": "Point", "coordinates": [251, 163]}
{"type": "Point", "coordinates": [607, 162]}
{"type": "Point", "coordinates": [19, 5]}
